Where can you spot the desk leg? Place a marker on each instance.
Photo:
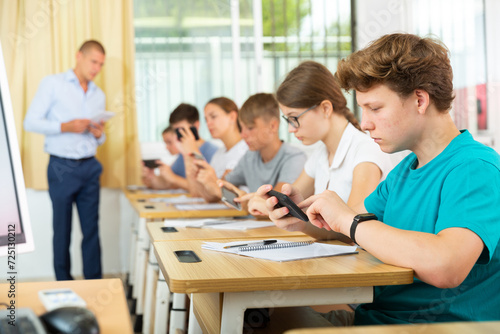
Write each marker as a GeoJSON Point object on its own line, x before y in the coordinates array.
{"type": "Point", "coordinates": [194, 326]}
{"type": "Point", "coordinates": [178, 313]}
{"type": "Point", "coordinates": [127, 229]}
{"type": "Point", "coordinates": [148, 297]}
{"type": "Point", "coordinates": [131, 276]}
{"type": "Point", "coordinates": [162, 305]}
{"type": "Point", "coordinates": [235, 303]}
{"type": "Point", "coordinates": [140, 266]}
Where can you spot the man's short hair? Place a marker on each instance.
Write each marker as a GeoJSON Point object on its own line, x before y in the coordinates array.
{"type": "Point", "coordinates": [261, 105]}
{"type": "Point", "coordinates": [92, 44]}
{"type": "Point", "coordinates": [403, 62]}
{"type": "Point", "coordinates": [184, 112]}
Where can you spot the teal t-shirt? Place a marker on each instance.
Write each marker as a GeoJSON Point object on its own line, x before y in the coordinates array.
{"type": "Point", "coordinates": [458, 188]}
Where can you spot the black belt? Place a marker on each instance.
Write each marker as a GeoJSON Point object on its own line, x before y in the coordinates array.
{"type": "Point", "coordinates": [82, 159]}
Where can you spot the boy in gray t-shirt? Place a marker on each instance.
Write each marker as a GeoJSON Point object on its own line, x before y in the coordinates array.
{"type": "Point", "coordinates": [268, 160]}
{"type": "Point", "coordinates": [284, 167]}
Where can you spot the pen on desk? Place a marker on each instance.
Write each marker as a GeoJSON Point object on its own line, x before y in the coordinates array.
{"type": "Point", "coordinates": [263, 242]}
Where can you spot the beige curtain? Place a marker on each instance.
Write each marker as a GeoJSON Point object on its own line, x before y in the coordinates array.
{"type": "Point", "coordinates": [41, 37]}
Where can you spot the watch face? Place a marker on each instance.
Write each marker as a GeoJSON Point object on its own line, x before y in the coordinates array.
{"type": "Point", "coordinates": [365, 216]}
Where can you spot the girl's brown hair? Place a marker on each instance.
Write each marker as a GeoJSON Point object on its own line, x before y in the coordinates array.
{"type": "Point", "coordinates": [227, 105]}
{"type": "Point", "coordinates": [309, 84]}
{"type": "Point", "coordinates": [403, 62]}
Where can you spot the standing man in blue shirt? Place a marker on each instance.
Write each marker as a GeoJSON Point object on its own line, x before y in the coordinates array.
{"type": "Point", "coordinates": [62, 110]}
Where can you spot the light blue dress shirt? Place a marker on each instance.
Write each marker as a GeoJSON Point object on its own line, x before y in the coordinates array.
{"type": "Point", "coordinates": [60, 99]}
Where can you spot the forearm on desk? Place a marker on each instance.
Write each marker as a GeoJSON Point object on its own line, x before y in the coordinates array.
{"type": "Point", "coordinates": [443, 260]}
{"type": "Point", "coordinates": [322, 234]}
{"type": "Point", "coordinates": [177, 182]}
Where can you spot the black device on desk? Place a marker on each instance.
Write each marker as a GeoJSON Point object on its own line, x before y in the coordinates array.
{"type": "Point", "coordinates": [285, 201]}
{"type": "Point", "coordinates": [70, 319]}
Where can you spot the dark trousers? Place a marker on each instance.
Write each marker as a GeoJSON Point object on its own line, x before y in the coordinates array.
{"type": "Point", "coordinates": [75, 181]}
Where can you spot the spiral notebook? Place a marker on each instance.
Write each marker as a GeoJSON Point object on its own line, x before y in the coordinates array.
{"type": "Point", "coordinates": [281, 250]}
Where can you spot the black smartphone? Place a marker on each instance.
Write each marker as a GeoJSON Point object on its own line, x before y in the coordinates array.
{"type": "Point", "coordinates": [168, 229]}
{"type": "Point", "coordinates": [228, 197]}
{"type": "Point", "coordinates": [285, 201]}
{"type": "Point", "coordinates": [187, 256]}
{"type": "Point", "coordinates": [194, 130]}
{"type": "Point", "coordinates": [151, 163]}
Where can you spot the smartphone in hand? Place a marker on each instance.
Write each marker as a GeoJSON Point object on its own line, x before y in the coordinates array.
{"type": "Point", "coordinates": [151, 163]}
{"type": "Point", "coordinates": [197, 156]}
{"type": "Point", "coordinates": [285, 201]}
{"type": "Point", "coordinates": [193, 130]}
{"type": "Point", "coordinates": [228, 197]}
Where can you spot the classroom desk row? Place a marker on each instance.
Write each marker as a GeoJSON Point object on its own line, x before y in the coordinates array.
{"type": "Point", "coordinates": [144, 265]}
{"type": "Point", "coordinates": [222, 286]}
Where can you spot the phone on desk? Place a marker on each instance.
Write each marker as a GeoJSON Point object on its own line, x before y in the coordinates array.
{"type": "Point", "coordinates": [151, 163]}
{"type": "Point", "coordinates": [285, 201]}
{"type": "Point", "coordinates": [228, 197]}
{"type": "Point", "coordinates": [193, 130]}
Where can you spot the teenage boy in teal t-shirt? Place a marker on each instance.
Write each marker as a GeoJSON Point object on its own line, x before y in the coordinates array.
{"type": "Point", "coordinates": [438, 211]}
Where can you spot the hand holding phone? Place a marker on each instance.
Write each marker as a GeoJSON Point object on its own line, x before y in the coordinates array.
{"type": "Point", "coordinates": [285, 201]}
{"type": "Point", "coordinates": [193, 130]}
{"type": "Point", "coordinates": [228, 197]}
{"type": "Point", "coordinates": [151, 163]}
{"type": "Point", "coordinates": [197, 156]}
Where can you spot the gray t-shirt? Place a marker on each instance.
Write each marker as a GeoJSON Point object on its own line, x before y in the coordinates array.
{"type": "Point", "coordinates": [251, 171]}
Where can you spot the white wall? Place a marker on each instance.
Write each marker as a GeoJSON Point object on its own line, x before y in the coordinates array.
{"type": "Point", "coordinates": [377, 18]}
{"type": "Point", "coordinates": [115, 238]}
{"type": "Point", "coordinates": [493, 75]}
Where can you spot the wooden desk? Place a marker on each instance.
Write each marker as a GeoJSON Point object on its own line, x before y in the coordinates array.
{"type": "Point", "coordinates": [490, 327]}
{"type": "Point", "coordinates": [161, 291]}
{"type": "Point", "coordinates": [132, 194]}
{"type": "Point", "coordinates": [104, 297]}
{"type": "Point", "coordinates": [234, 283]}
{"type": "Point", "coordinates": [148, 211]}
{"type": "Point", "coordinates": [162, 210]}
{"type": "Point", "coordinates": [156, 234]}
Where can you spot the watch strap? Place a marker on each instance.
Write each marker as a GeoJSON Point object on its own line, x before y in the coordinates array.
{"type": "Point", "coordinates": [358, 219]}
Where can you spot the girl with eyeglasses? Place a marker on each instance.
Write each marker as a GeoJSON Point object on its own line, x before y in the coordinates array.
{"type": "Point", "coordinates": [349, 163]}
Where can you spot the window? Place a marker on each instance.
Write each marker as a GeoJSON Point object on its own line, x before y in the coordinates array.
{"type": "Point", "coordinates": [193, 50]}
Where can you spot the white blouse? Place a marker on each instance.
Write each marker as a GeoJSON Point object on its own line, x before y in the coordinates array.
{"type": "Point", "coordinates": [354, 148]}
{"type": "Point", "coordinates": [223, 160]}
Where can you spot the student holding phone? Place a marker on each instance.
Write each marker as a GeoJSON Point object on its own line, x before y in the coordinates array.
{"type": "Point", "coordinates": [221, 116]}
{"type": "Point", "coordinates": [437, 211]}
{"type": "Point", "coordinates": [182, 118]}
{"type": "Point", "coordinates": [349, 162]}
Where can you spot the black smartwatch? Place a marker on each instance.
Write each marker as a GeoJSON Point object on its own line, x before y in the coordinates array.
{"type": "Point", "coordinates": [358, 219]}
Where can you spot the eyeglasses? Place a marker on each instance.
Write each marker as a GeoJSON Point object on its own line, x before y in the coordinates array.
{"type": "Point", "coordinates": [294, 120]}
